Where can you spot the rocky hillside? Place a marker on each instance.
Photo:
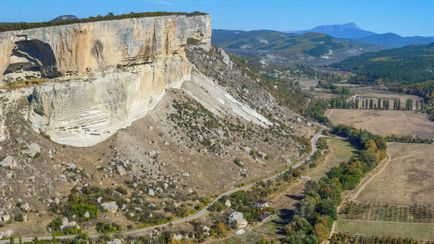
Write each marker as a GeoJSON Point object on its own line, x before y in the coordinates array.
{"type": "Point", "coordinates": [287, 48]}
{"type": "Point", "coordinates": [134, 122]}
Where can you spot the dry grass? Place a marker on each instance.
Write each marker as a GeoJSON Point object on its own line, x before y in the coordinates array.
{"type": "Point", "coordinates": [21, 84]}
{"type": "Point", "coordinates": [384, 122]}
{"type": "Point", "coordinates": [416, 231]}
{"type": "Point", "coordinates": [339, 151]}
{"type": "Point", "coordinates": [406, 180]}
{"type": "Point", "coordinates": [307, 84]}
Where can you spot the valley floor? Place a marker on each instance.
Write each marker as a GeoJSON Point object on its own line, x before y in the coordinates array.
{"type": "Point", "coordinates": [384, 122]}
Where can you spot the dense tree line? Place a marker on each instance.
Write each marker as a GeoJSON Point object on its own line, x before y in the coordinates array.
{"type": "Point", "coordinates": [317, 109]}
{"type": "Point", "coordinates": [110, 16]}
{"type": "Point", "coordinates": [407, 139]}
{"type": "Point", "coordinates": [343, 102]}
{"type": "Point", "coordinates": [317, 211]}
{"type": "Point", "coordinates": [339, 90]}
{"type": "Point", "coordinates": [422, 89]}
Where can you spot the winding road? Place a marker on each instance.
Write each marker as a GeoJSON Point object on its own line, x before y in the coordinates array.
{"type": "Point", "coordinates": [204, 211]}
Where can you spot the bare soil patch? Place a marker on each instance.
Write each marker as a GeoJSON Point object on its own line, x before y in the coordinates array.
{"type": "Point", "coordinates": [384, 122]}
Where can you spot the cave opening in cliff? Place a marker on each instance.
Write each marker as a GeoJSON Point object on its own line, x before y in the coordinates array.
{"type": "Point", "coordinates": [32, 59]}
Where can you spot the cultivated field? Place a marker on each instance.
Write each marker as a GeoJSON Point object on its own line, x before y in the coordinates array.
{"type": "Point", "coordinates": [384, 122]}
{"type": "Point", "coordinates": [407, 179]}
{"type": "Point", "coordinates": [307, 84]}
{"type": "Point", "coordinates": [415, 231]}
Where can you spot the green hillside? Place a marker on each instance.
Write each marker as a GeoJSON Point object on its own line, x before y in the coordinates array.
{"type": "Point", "coordinates": [409, 64]}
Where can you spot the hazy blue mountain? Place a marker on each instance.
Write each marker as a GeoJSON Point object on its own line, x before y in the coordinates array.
{"type": "Point", "coordinates": [392, 40]}
{"type": "Point", "coordinates": [352, 32]}
{"type": "Point", "coordinates": [349, 31]}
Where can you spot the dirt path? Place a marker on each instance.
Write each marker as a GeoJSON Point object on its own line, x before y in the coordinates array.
{"type": "Point", "coordinates": [355, 193]}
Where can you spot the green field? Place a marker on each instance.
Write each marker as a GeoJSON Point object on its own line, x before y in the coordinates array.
{"type": "Point", "coordinates": [339, 151]}
{"type": "Point", "coordinates": [416, 231]}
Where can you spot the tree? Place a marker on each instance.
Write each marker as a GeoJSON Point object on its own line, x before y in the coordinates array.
{"type": "Point", "coordinates": [221, 229]}
{"type": "Point", "coordinates": [321, 231]}
{"type": "Point", "coordinates": [371, 145]}
{"type": "Point", "coordinates": [327, 207]}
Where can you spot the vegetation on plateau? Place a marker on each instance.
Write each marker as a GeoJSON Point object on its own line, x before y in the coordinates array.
{"type": "Point", "coordinates": [109, 16]}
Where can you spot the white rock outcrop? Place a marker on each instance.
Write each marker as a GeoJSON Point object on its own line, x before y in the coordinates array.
{"type": "Point", "coordinates": [120, 70]}
{"type": "Point", "coordinates": [92, 46]}
{"type": "Point", "coordinates": [8, 162]}
{"type": "Point", "coordinates": [236, 220]}
{"type": "Point", "coordinates": [110, 207]}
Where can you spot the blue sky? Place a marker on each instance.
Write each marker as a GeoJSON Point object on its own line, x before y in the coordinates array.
{"type": "Point", "coordinates": [404, 17]}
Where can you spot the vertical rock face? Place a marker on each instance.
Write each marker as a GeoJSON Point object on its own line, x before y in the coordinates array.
{"type": "Point", "coordinates": [95, 46]}
{"type": "Point", "coordinates": [131, 61]}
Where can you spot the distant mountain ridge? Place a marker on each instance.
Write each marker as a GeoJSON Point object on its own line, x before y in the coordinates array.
{"type": "Point", "coordinates": [349, 31]}
{"type": "Point", "coordinates": [354, 33]}
{"type": "Point", "coordinates": [312, 48]}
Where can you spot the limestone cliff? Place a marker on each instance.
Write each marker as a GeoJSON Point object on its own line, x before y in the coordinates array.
{"type": "Point", "coordinates": [109, 73]}
{"type": "Point", "coordinates": [95, 46]}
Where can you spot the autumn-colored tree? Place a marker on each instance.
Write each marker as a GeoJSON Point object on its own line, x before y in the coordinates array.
{"type": "Point", "coordinates": [371, 145]}
{"type": "Point", "coordinates": [221, 229]}
{"type": "Point", "coordinates": [321, 231]}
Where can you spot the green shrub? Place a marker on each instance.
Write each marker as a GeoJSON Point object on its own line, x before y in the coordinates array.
{"type": "Point", "coordinates": [107, 227]}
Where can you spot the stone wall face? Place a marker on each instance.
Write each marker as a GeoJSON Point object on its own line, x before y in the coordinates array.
{"type": "Point", "coordinates": [131, 61]}
{"type": "Point", "coordinates": [95, 46]}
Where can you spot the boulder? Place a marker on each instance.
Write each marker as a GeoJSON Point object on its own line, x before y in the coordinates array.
{"type": "Point", "coordinates": [6, 234]}
{"type": "Point", "coordinates": [8, 162]}
{"type": "Point", "coordinates": [32, 150]}
{"type": "Point", "coordinates": [4, 217]}
{"type": "Point", "coordinates": [236, 220]}
{"type": "Point", "coordinates": [115, 241]}
{"type": "Point", "coordinates": [25, 207]}
{"type": "Point", "coordinates": [228, 203]}
{"type": "Point", "coordinates": [151, 192]}
{"type": "Point", "coordinates": [111, 207]}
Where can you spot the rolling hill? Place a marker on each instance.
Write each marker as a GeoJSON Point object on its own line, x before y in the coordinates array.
{"type": "Point", "coordinates": [310, 48]}
{"type": "Point", "coordinates": [410, 64]}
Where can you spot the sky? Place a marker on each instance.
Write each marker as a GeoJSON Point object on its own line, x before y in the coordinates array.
{"type": "Point", "coordinates": [404, 17]}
